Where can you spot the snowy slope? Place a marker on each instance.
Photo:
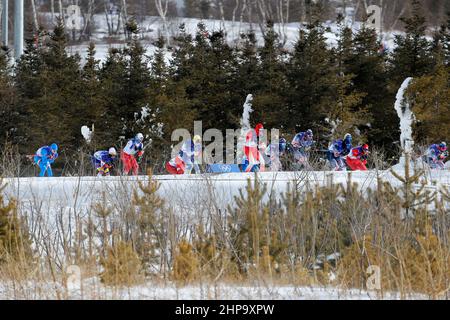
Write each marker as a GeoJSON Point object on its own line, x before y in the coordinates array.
{"type": "Point", "coordinates": [151, 28]}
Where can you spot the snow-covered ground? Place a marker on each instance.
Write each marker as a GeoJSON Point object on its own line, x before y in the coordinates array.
{"type": "Point", "coordinates": [92, 289]}
{"type": "Point", "coordinates": [192, 192]}
{"type": "Point", "coordinates": [47, 202]}
{"type": "Point", "coordinates": [151, 27]}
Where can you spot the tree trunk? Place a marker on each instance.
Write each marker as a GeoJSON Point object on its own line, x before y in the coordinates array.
{"type": "Point", "coordinates": [61, 11]}
{"type": "Point", "coordinates": [87, 20]}
{"type": "Point", "coordinates": [125, 17]}
{"type": "Point", "coordinates": [35, 19]}
{"type": "Point", "coordinates": [222, 14]}
{"type": "Point", "coordinates": [52, 9]}
{"type": "Point", "coordinates": [108, 23]}
{"type": "Point", "coordinates": [162, 6]}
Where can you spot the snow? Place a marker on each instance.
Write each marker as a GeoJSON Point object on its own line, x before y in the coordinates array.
{"type": "Point", "coordinates": [192, 193]}
{"type": "Point", "coordinates": [49, 201]}
{"type": "Point", "coordinates": [406, 117]}
{"type": "Point", "coordinates": [245, 121]}
{"type": "Point", "coordinates": [152, 26]}
{"type": "Point", "coordinates": [87, 134]}
{"type": "Point", "coordinates": [91, 288]}
{"type": "Point", "coordinates": [245, 125]}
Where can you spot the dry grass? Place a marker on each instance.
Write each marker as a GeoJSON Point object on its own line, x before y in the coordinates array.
{"type": "Point", "coordinates": [311, 236]}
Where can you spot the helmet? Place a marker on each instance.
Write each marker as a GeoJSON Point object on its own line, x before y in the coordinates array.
{"type": "Point", "coordinates": [197, 139]}
{"type": "Point", "coordinates": [443, 146]}
{"type": "Point", "coordinates": [54, 147]}
{"type": "Point", "coordinates": [112, 152]}
{"type": "Point", "coordinates": [140, 137]}
{"type": "Point", "coordinates": [365, 147]}
{"type": "Point", "coordinates": [348, 136]}
{"type": "Point", "coordinates": [258, 127]}
{"type": "Point", "coordinates": [309, 133]}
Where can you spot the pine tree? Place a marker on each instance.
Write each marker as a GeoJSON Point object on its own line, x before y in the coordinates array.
{"type": "Point", "coordinates": [48, 82]}
{"type": "Point", "coordinates": [441, 44]}
{"type": "Point", "coordinates": [59, 106]}
{"type": "Point", "coordinates": [112, 77]}
{"type": "Point", "coordinates": [270, 105]}
{"type": "Point", "coordinates": [310, 72]}
{"type": "Point", "coordinates": [411, 57]}
{"type": "Point", "coordinates": [15, 242]}
{"type": "Point", "coordinates": [203, 68]}
{"type": "Point", "coordinates": [94, 101]}
{"type": "Point", "coordinates": [8, 116]}
{"type": "Point", "coordinates": [367, 63]}
{"type": "Point", "coordinates": [136, 87]}
{"type": "Point", "coordinates": [27, 71]}
{"type": "Point", "coordinates": [431, 96]}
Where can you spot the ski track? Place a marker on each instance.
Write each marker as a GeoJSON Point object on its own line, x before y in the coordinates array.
{"type": "Point", "coordinates": [188, 191]}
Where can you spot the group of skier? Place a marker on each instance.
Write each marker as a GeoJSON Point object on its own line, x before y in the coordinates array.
{"type": "Point", "coordinates": [341, 155]}
{"type": "Point", "coordinates": [103, 160]}
{"type": "Point", "coordinates": [257, 155]}
{"type": "Point", "coordinates": [436, 155]}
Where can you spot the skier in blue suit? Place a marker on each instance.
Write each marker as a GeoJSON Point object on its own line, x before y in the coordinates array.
{"type": "Point", "coordinates": [44, 157]}
{"type": "Point", "coordinates": [436, 155]}
{"type": "Point", "coordinates": [103, 161]}
{"type": "Point", "coordinates": [335, 155]}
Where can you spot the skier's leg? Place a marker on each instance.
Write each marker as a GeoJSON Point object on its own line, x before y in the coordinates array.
{"type": "Point", "coordinates": [341, 164]}
{"type": "Point", "coordinates": [352, 164]}
{"type": "Point", "coordinates": [360, 166]}
{"type": "Point", "coordinates": [126, 159]}
{"type": "Point", "coordinates": [189, 167]}
{"type": "Point", "coordinates": [170, 169]}
{"type": "Point", "coordinates": [42, 168]}
{"type": "Point", "coordinates": [333, 163]}
{"type": "Point", "coordinates": [134, 166]}
{"type": "Point", "coordinates": [49, 170]}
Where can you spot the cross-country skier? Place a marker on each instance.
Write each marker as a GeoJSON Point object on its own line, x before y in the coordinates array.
{"type": "Point", "coordinates": [176, 166]}
{"type": "Point", "coordinates": [357, 159]}
{"type": "Point", "coordinates": [301, 145]}
{"type": "Point", "coordinates": [436, 155]}
{"type": "Point", "coordinates": [335, 154]}
{"type": "Point", "coordinates": [190, 153]}
{"type": "Point", "coordinates": [252, 159]}
{"type": "Point", "coordinates": [273, 152]}
{"type": "Point", "coordinates": [44, 158]}
{"type": "Point", "coordinates": [133, 148]}
{"type": "Point", "coordinates": [347, 144]}
{"type": "Point", "coordinates": [103, 161]}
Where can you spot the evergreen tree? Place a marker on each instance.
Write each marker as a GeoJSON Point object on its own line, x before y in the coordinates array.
{"type": "Point", "coordinates": [59, 112]}
{"type": "Point", "coordinates": [8, 116]}
{"type": "Point", "coordinates": [367, 63]}
{"type": "Point", "coordinates": [203, 68]}
{"type": "Point", "coordinates": [49, 85]}
{"type": "Point", "coordinates": [412, 55]}
{"type": "Point", "coordinates": [431, 96]}
{"type": "Point", "coordinates": [112, 77]}
{"type": "Point", "coordinates": [270, 104]}
{"type": "Point", "coordinates": [441, 44]}
{"type": "Point", "coordinates": [310, 73]}
{"type": "Point", "coordinates": [94, 101]}
{"type": "Point", "coordinates": [26, 81]}
{"type": "Point", "coordinates": [135, 91]}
